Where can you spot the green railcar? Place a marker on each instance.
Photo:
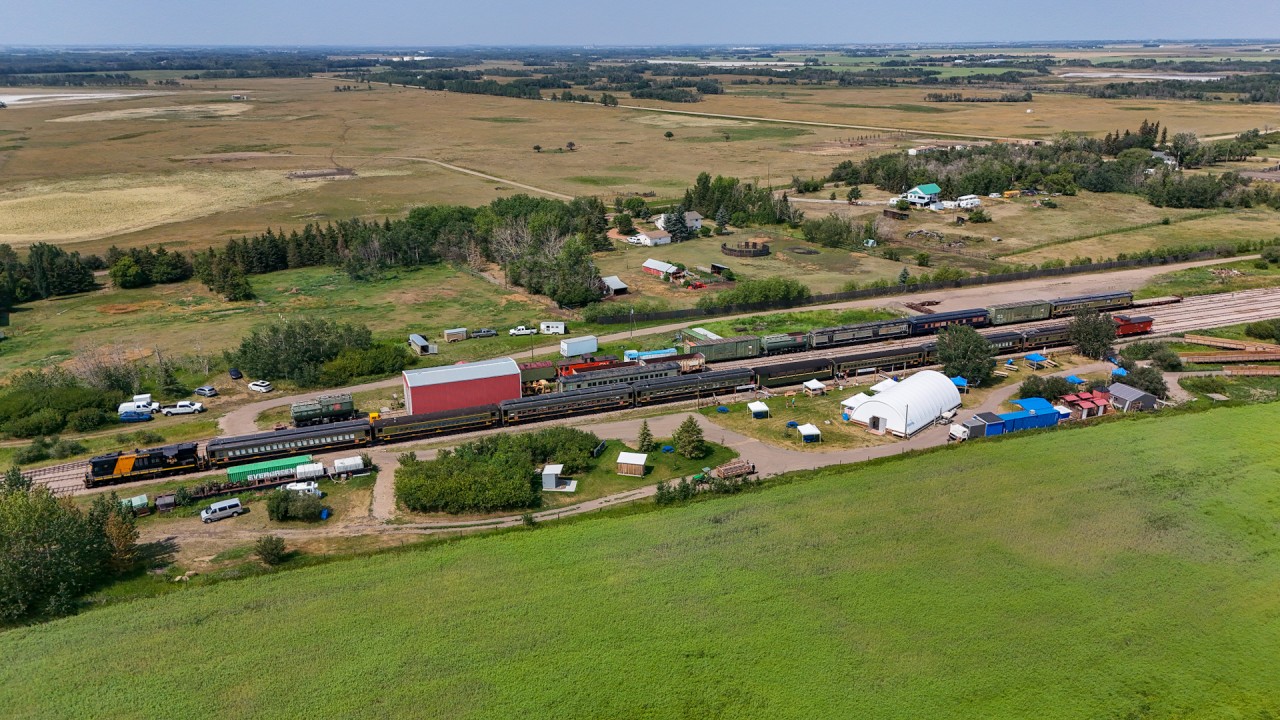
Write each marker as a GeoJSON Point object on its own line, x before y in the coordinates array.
{"type": "Point", "coordinates": [1020, 312]}
{"type": "Point", "coordinates": [734, 348]}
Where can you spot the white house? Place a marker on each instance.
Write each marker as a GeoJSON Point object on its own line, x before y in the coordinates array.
{"type": "Point", "coordinates": [692, 220]}
{"type": "Point", "coordinates": [967, 202]}
{"type": "Point", "coordinates": [650, 238]}
{"type": "Point", "coordinates": [924, 195]}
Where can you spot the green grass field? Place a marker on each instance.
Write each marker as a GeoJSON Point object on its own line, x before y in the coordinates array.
{"type": "Point", "coordinates": [1002, 579]}
{"type": "Point", "coordinates": [1225, 278]}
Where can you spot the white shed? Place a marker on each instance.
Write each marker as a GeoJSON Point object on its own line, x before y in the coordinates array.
{"type": "Point", "coordinates": [909, 406]}
{"type": "Point", "coordinates": [550, 476]}
{"type": "Point", "coordinates": [632, 464]}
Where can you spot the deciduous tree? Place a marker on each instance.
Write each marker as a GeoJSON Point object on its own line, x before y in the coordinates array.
{"type": "Point", "coordinates": [1092, 333]}
{"type": "Point", "coordinates": [965, 353]}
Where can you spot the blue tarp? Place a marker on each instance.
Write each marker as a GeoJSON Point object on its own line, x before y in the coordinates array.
{"type": "Point", "coordinates": [1075, 380]}
{"type": "Point", "coordinates": [1036, 357]}
{"type": "Point", "coordinates": [1036, 405]}
{"type": "Point", "coordinates": [1120, 372]}
{"type": "Point", "coordinates": [960, 382]}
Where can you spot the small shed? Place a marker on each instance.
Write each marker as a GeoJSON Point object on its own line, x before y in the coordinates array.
{"type": "Point", "coordinates": [613, 285]}
{"type": "Point", "coordinates": [631, 464]}
{"type": "Point", "coordinates": [758, 410]}
{"type": "Point", "coordinates": [138, 504]}
{"type": "Point", "coordinates": [166, 503]}
{"type": "Point", "coordinates": [551, 475]}
{"type": "Point", "coordinates": [421, 346]}
{"type": "Point", "coordinates": [810, 433]}
{"type": "Point", "coordinates": [1126, 397]}
{"type": "Point", "coordinates": [814, 387]}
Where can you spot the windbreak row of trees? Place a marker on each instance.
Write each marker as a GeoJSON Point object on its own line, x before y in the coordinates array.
{"type": "Point", "coordinates": [741, 203]}
{"type": "Point", "coordinates": [47, 271]}
{"type": "Point", "coordinates": [1068, 165]}
{"type": "Point", "coordinates": [543, 245]}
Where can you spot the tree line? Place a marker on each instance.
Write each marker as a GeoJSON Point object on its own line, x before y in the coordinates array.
{"type": "Point", "coordinates": [961, 97]}
{"type": "Point", "coordinates": [47, 271]}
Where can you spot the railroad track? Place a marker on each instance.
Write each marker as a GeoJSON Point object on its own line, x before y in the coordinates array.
{"type": "Point", "coordinates": [1194, 313]}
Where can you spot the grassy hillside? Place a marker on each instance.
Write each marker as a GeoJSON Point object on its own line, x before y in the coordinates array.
{"type": "Point", "coordinates": [1120, 571]}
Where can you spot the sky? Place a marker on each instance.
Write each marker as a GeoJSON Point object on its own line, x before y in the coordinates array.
{"type": "Point", "coordinates": [432, 23]}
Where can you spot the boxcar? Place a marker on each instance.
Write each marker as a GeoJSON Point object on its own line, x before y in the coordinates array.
{"type": "Point", "coordinates": [793, 372]}
{"type": "Point", "coordinates": [436, 423]}
{"type": "Point", "coordinates": [564, 404]}
{"type": "Point", "coordinates": [1025, 311]}
{"type": "Point", "coordinates": [602, 378]}
{"type": "Point", "coordinates": [861, 333]}
{"type": "Point", "coordinates": [933, 322]}
{"type": "Point", "coordinates": [262, 446]}
{"type": "Point", "coordinates": [150, 463]}
{"type": "Point", "coordinates": [880, 361]}
{"type": "Point", "coordinates": [784, 343]}
{"type": "Point", "coordinates": [661, 390]}
{"type": "Point", "coordinates": [734, 348]}
{"type": "Point", "coordinates": [1105, 301]}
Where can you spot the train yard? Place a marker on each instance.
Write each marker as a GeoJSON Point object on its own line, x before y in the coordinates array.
{"type": "Point", "coordinates": [721, 379]}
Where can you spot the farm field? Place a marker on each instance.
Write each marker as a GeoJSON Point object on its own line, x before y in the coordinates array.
{"type": "Point", "coordinates": [993, 579]}
{"type": "Point", "coordinates": [186, 318]}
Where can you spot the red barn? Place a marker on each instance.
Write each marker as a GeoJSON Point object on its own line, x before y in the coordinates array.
{"type": "Point", "coordinates": [463, 385]}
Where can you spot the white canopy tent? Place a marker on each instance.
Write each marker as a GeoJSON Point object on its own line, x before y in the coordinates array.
{"type": "Point", "coordinates": [815, 387]}
{"type": "Point", "coordinates": [810, 432]}
{"type": "Point", "coordinates": [910, 406]}
{"type": "Point", "coordinates": [758, 409]}
{"type": "Point", "coordinates": [883, 385]}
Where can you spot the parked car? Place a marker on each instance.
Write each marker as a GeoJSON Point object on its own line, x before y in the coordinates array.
{"type": "Point", "coordinates": [522, 330]}
{"type": "Point", "coordinates": [261, 386]}
{"type": "Point", "coordinates": [206, 391]}
{"type": "Point", "coordinates": [183, 407]}
{"type": "Point", "coordinates": [235, 373]}
{"type": "Point", "coordinates": [222, 509]}
{"type": "Point", "coordinates": [131, 416]}
{"type": "Point", "coordinates": [484, 333]}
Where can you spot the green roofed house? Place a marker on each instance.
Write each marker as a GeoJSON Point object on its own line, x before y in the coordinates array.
{"type": "Point", "coordinates": [924, 195]}
{"type": "Point", "coordinates": [267, 470]}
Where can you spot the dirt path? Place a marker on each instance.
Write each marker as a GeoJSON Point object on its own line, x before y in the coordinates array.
{"type": "Point", "coordinates": [815, 123]}
{"type": "Point", "coordinates": [333, 158]}
{"type": "Point", "coordinates": [243, 420]}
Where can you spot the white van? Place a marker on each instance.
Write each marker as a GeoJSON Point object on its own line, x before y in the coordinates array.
{"type": "Point", "coordinates": [222, 509]}
{"type": "Point", "coordinates": [553, 328]}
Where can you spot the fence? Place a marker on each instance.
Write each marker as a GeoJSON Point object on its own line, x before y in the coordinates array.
{"type": "Point", "coordinates": [867, 293]}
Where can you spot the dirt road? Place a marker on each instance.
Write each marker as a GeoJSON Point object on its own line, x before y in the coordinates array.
{"type": "Point", "coordinates": [243, 420]}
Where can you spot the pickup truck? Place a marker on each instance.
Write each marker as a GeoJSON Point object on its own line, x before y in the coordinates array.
{"type": "Point", "coordinates": [522, 330]}
{"type": "Point", "coordinates": [183, 407]}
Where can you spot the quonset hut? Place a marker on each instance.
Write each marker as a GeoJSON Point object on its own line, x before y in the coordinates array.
{"type": "Point", "coordinates": [451, 387]}
{"type": "Point", "coordinates": [907, 407]}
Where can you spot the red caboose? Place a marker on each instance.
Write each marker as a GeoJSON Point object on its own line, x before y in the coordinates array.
{"type": "Point", "coordinates": [1131, 324]}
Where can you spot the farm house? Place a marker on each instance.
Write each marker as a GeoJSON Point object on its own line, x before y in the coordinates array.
{"type": "Point", "coordinates": [458, 386]}
{"type": "Point", "coordinates": [907, 407]}
{"type": "Point", "coordinates": [692, 220]}
{"type": "Point", "coordinates": [650, 238]}
{"type": "Point", "coordinates": [924, 195]}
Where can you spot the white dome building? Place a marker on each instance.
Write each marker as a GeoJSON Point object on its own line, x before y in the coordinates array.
{"type": "Point", "coordinates": [907, 407]}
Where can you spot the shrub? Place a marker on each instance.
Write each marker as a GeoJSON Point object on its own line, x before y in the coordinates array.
{"type": "Point", "coordinates": [33, 453]}
{"type": "Point", "coordinates": [1263, 329]}
{"type": "Point", "coordinates": [1167, 360]}
{"type": "Point", "coordinates": [270, 549]}
{"type": "Point", "coordinates": [1261, 264]}
{"type": "Point", "coordinates": [1271, 254]}
{"type": "Point", "coordinates": [768, 290]}
{"type": "Point", "coordinates": [87, 419]}
{"type": "Point", "coordinates": [60, 449]}
{"type": "Point", "coordinates": [287, 505]}
{"type": "Point", "coordinates": [978, 215]}
{"type": "Point", "coordinates": [46, 421]}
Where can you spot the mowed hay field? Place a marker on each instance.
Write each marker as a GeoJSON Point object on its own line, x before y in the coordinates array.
{"type": "Point", "coordinates": [186, 318]}
{"type": "Point", "coordinates": [1001, 580]}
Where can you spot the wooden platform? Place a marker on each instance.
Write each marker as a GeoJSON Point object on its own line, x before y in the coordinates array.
{"type": "Point", "coordinates": [1246, 345]}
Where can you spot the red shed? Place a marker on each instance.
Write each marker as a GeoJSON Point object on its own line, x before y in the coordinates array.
{"type": "Point", "coordinates": [463, 385]}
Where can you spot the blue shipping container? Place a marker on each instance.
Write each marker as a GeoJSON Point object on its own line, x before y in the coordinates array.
{"type": "Point", "coordinates": [648, 354]}
{"type": "Point", "coordinates": [1027, 420]}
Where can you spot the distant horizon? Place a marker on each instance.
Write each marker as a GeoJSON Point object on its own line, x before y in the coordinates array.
{"type": "Point", "coordinates": [580, 23]}
{"type": "Point", "coordinates": [629, 46]}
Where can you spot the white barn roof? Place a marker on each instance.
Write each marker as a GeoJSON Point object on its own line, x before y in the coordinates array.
{"type": "Point", "coordinates": [660, 266]}
{"type": "Point", "coordinates": [630, 458]}
{"type": "Point", "coordinates": [497, 367]}
{"type": "Point", "coordinates": [613, 282]}
{"type": "Point", "coordinates": [911, 405]}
